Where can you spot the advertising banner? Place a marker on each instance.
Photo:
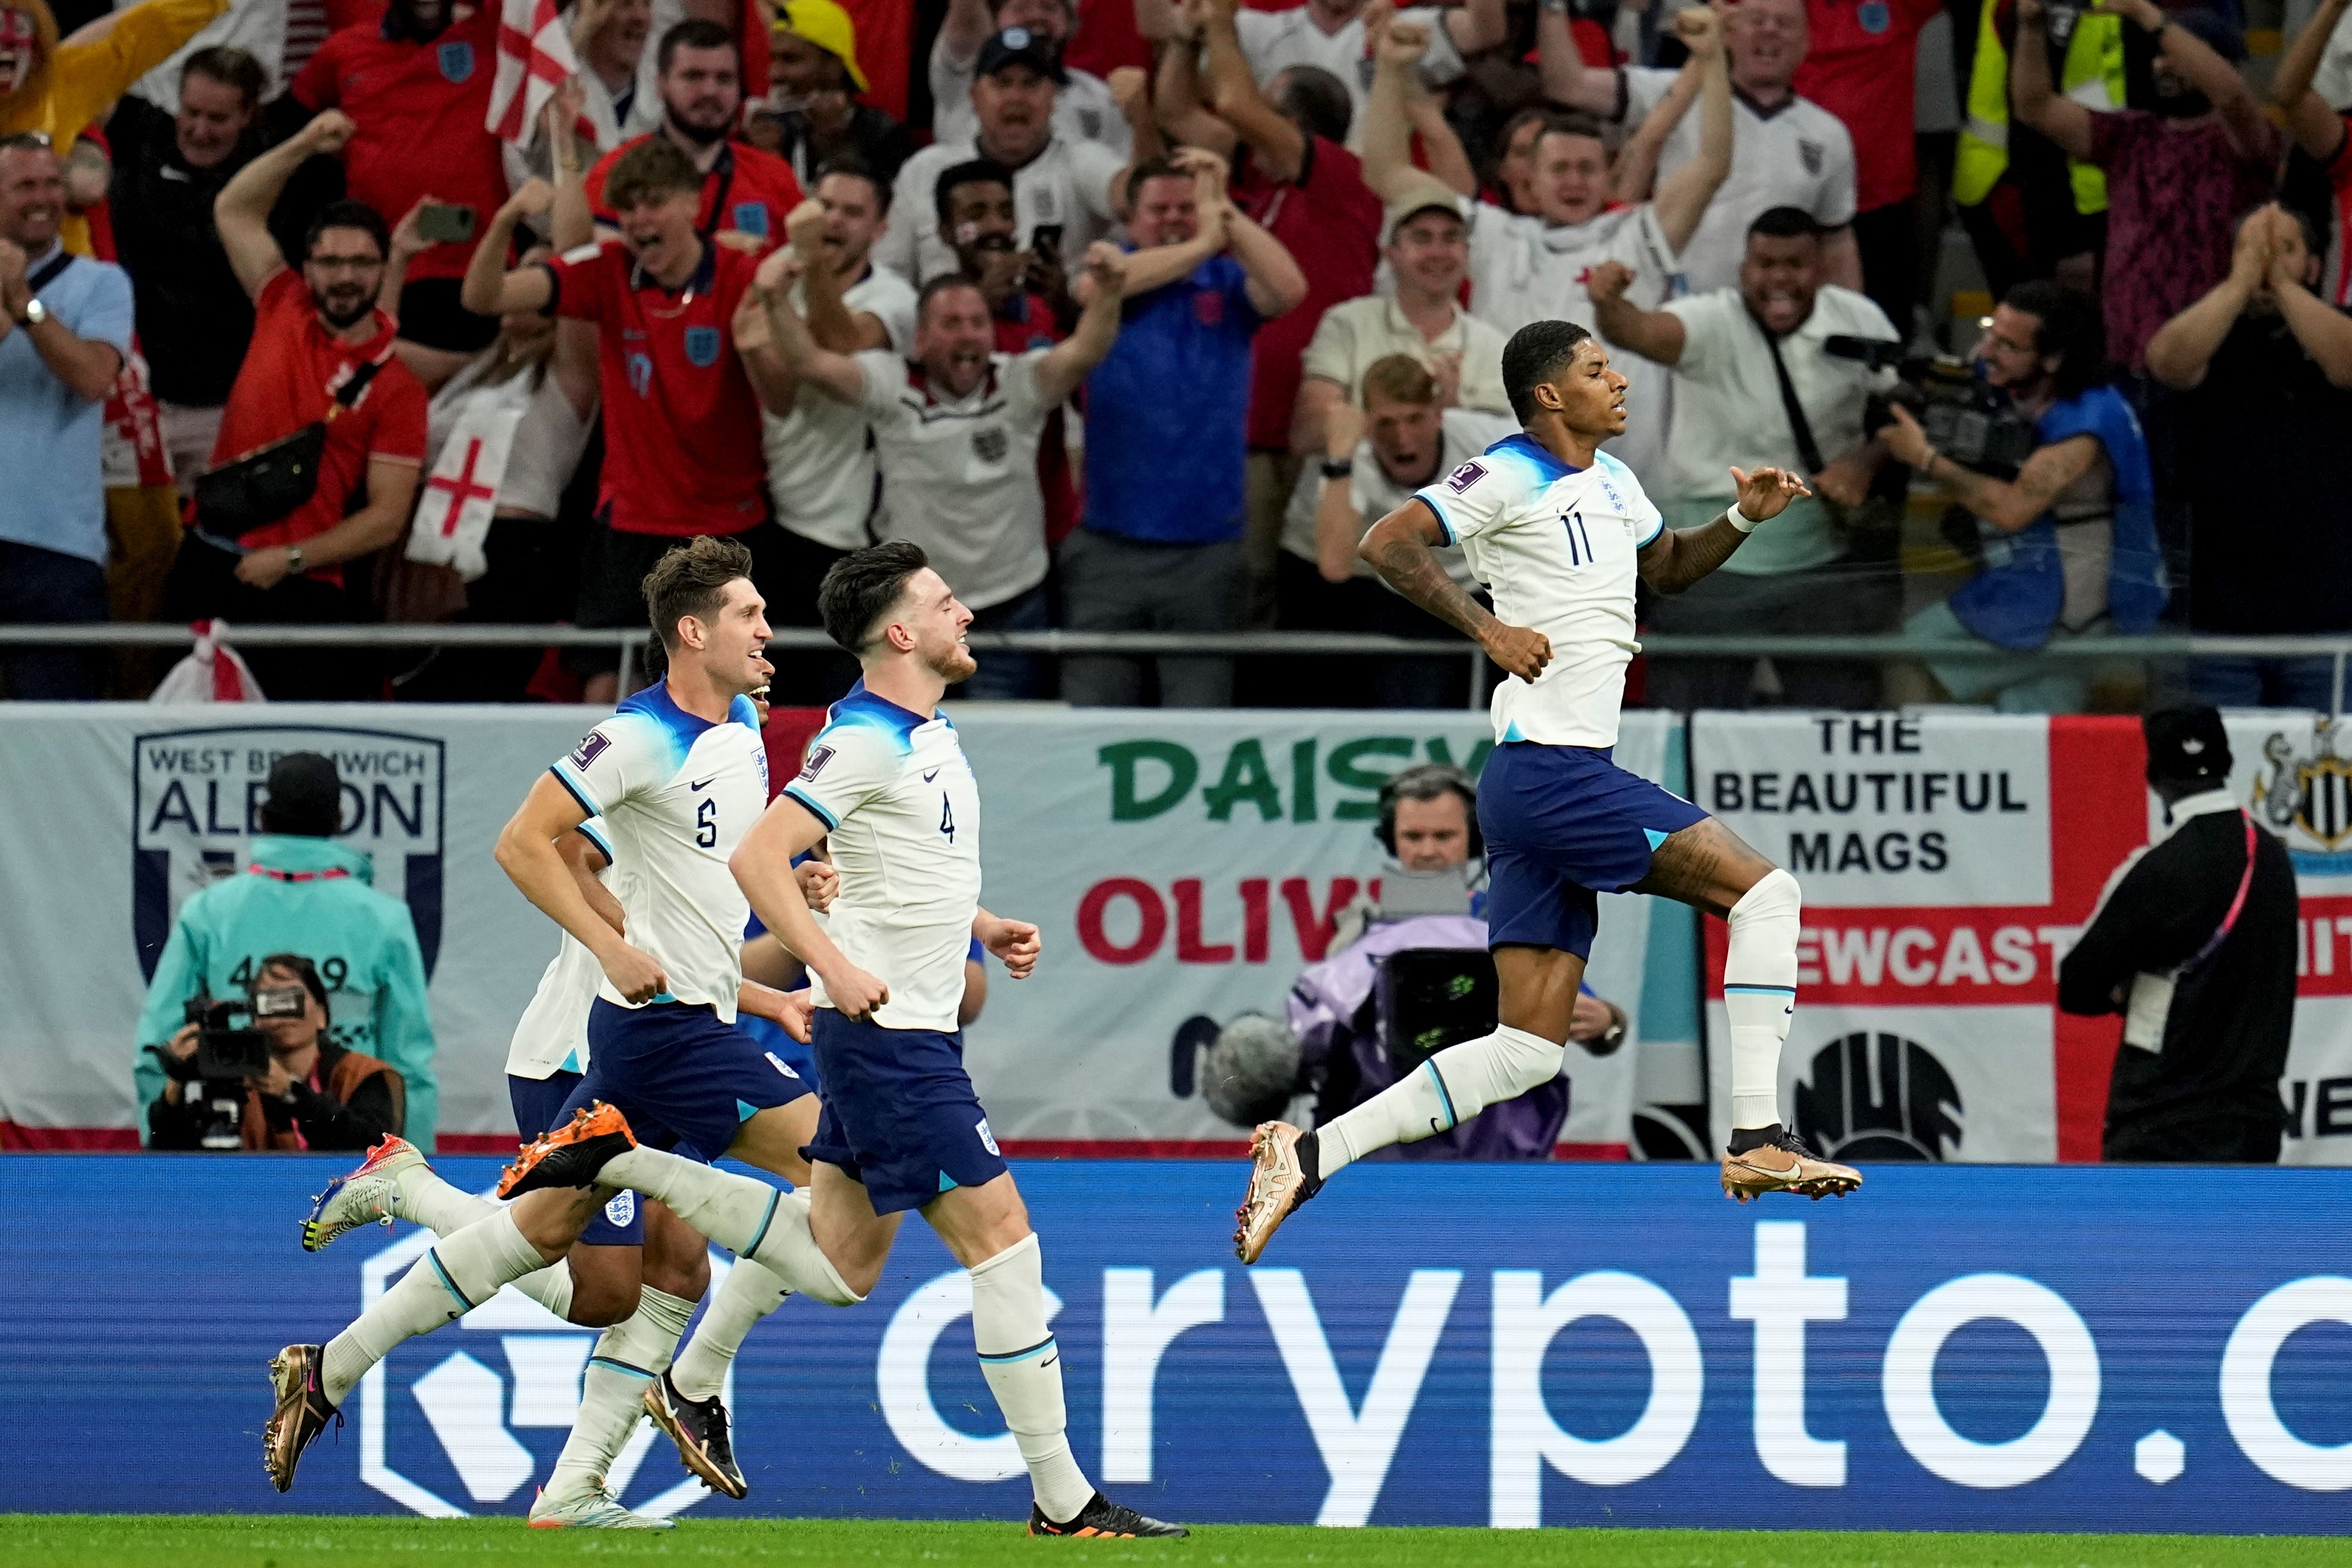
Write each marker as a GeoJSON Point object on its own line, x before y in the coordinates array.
{"type": "Point", "coordinates": [1183, 866]}
{"type": "Point", "coordinates": [1957, 1348]}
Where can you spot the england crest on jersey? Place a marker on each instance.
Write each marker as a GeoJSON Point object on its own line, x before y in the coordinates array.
{"type": "Point", "coordinates": [702, 346]}
{"type": "Point", "coordinates": [457, 62]}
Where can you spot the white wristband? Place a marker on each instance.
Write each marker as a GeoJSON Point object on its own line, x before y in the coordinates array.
{"type": "Point", "coordinates": [1742, 521]}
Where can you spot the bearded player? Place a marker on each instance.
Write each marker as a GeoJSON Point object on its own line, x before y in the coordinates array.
{"type": "Point", "coordinates": [1559, 529]}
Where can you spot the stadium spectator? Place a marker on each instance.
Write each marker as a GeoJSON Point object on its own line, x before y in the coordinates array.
{"type": "Point", "coordinates": [1292, 174]}
{"type": "Point", "coordinates": [194, 320]}
{"type": "Point", "coordinates": [504, 436]}
{"type": "Point", "coordinates": [2264, 364]}
{"type": "Point", "coordinates": [303, 895]}
{"type": "Point", "coordinates": [620, 82]}
{"type": "Point", "coordinates": [1062, 189]}
{"type": "Point", "coordinates": [416, 88]}
{"type": "Point", "coordinates": [1785, 151]}
{"type": "Point", "coordinates": [1401, 434]}
{"type": "Point", "coordinates": [1538, 267]}
{"type": "Point", "coordinates": [321, 367]}
{"type": "Point", "coordinates": [1083, 110]}
{"type": "Point", "coordinates": [1336, 37]}
{"type": "Point", "coordinates": [1754, 385]}
{"type": "Point", "coordinates": [315, 1097]}
{"type": "Point", "coordinates": [745, 194]}
{"type": "Point", "coordinates": [685, 372]}
{"type": "Point", "coordinates": [63, 338]}
{"type": "Point", "coordinates": [956, 433]}
{"type": "Point", "coordinates": [1428, 253]}
{"type": "Point", "coordinates": [1510, 182]}
{"type": "Point", "coordinates": [817, 83]}
{"type": "Point", "coordinates": [2195, 943]}
{"type": "Point", "coordinates": [821, 479]}
{"type": "Point", "coordinates": [1860, 63]}
{"type": "Point", "coordinates": [62, 89]}
{"type": "Point", "coordinates": [1159, 548]}
{"type": "Point", "coordinates": [2070, 545]}
{"type": "Point", "coordinates": [2320, 130]}
{"type": "Point", "coordinates": [2177, 177]}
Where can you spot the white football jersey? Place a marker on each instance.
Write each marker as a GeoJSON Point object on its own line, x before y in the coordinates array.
{"type": "Point", "coordinates": [678, 793]}
{"type": "Point", "coordinates": [901, 813]}
{"type": "Point", "coordinates": [1556, 546]}
{"type": "Point", "coordinates": [551, 1036]}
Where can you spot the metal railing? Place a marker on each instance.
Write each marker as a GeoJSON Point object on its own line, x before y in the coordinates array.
{"type": "Point", "coordinates": [630, 642]}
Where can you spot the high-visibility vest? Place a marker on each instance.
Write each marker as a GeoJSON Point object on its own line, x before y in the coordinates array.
{"type": "Point", "coordinates": [2093, 76]}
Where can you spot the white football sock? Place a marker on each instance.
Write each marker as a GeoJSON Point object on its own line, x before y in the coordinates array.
{"type": "Point", "coordinates": [749, 1218]}
{"type": "Point", "coordinates": [423, 1198]}
{"type": "Point", "coordinates": [748, 1293]}
{"type": "Point", "coordinates": [1439, 1095]}
{"type": "Point", "coordinates": [1760, 994]}
{"type": "Point", "coordinates": [1023, 1363]}
{"type": "Point", "coordinates": [458, 1275]}
{"type": "Point", "coordinates": [629, 1356]}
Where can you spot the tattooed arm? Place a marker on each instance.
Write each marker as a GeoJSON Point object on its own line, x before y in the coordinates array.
{"type": "Point", "coordinates": [1680, 557]}
{"type": "Point", "coordinates": [1399, 547]}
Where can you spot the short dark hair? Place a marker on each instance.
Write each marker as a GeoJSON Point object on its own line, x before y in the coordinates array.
{"type": "Point", "coordinates": [694, 32]}
{"type": "Point", "coordinates": [1160, 168]}
{"type": "Point", "coordinates": [943, 284]}
{"type": "Point", "coordinates": [862, 587]}
{"type": "Point", "coordinates": [1427, 781]}
{"type": "Point", "coordinates": [689, 579]}
{"type": "Point", "coordinates": [230, 66]}
{"type": "Point", "coordinates": [971, 171]}
{"type": "Point", "coordinates": [850, 166]}
{"type": "Point", "coordinates": [656, 167]}
{"type": "Point", "coordinates": [1533, 356]}
{"type": "Point", "coordinates": [1786, 223]}
{"type": "Point", "coordinates": [2064, 325]}
{"type": "Point", "coordinates": [1559, 122]}
{"type": "Point", "coordinates": [1317, 100]}
{"type": "Point", "coordinates": [302, 969]}
{"type": "Point", "coordinates": [347, 214]}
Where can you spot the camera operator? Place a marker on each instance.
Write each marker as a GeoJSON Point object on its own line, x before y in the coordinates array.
{"type": "Point", "coordinates": [1759, 381]}
{"type": "Point", "coordinates": [2070, 547]}
{"type": "Point", "coordinates": [1361, 1019]}
{"type": "Point", "coordinates": [302, 893]}
{"type": "Point", "coordinates": [294, 1090]}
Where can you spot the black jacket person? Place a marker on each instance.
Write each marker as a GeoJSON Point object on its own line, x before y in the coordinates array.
{"type": "Point", "coordinates": [2194, 943]}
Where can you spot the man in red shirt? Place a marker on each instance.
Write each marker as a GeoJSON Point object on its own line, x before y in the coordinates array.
{"type": "Point", "coordinates": [417, 86]}
{"type": "Point", "coordinates": [686, 366]}
{"type": "Point", "coordinates": [1862, 65]}
{"type": "Point", "coordinates": [746, 193]}
{"type": "Point", "coordinates": [1294, 176]}
{"type": "Point", "coordinates": [315, 334]}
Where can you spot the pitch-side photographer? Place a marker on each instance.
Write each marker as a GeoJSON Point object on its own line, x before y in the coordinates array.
{"type": "Point", "coordinates": [2070, 547]}
{"type": "Point", "coordinates": [277, 1083]}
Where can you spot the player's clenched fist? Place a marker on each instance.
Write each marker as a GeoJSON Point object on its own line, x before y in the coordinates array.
{"type": "Point", "coordinates": [1766, 492]}
{"type": "Point", "coordinates": [1518, 651]}
{"type": "Point", "coordinates": [1015, 943]}
{"type": "Point", "coordinates": [635, 975]}
{"type": "Point", "coordinates": [854, 993]}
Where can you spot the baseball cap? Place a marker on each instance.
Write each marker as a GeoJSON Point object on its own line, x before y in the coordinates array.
{"type": "Point", "coordinates": [1406, 208]}
{"type": "Point", "coordinates": [1022, 46]}
{"type": "Point", "coordinates": [306, 797]}
{"type": "Point", "coordinates": [825, 24]}
{"type": "Point", "coordinates": [2186, 744]}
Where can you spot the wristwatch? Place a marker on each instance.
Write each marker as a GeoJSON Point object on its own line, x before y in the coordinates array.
{"type": "Point", "coordinates": [34, 312]}
{"type": "Point", "coordinates": [1339, 467]}
{"type": "Point", "coordinates": [293, 558]}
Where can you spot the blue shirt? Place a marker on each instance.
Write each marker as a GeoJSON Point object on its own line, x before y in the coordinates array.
{"type": "Point", "coordinates": [1167, 413]}
{"type": "Point", "coordinates": [55, 497]}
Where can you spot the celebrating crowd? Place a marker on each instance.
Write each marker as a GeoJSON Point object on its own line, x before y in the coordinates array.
{"type": "Point", "coordinates": [1135, 314]}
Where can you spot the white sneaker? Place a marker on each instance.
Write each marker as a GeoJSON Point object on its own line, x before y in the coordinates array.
{"type": "Point", "coordinates": [592, 1509]}
{"type": "Point", "coordinates": [361, 1197]}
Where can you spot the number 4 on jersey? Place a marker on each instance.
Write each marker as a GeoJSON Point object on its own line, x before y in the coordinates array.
{"type": "Point", "coordinates": [946, 818]}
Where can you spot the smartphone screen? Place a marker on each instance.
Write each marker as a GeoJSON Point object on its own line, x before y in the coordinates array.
{"type": "Point", "coordinates": [445, 224]}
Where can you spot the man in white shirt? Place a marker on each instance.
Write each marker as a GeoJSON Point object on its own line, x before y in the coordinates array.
{"type": "Point", "coordinates": [1528, 268]}
{"type": "Point", "coordinates": [1330, 34]}
{"type": "Point", "coordinates": [1060, 186]}
{"type": "Point", "coordinates": [1428, 253]}
{"type": "Point", "coordinates": [1083, 110]}
{"type": "Point", "coordinates": [955, 437]}
{"type": "Point", "coordinates": [821, 470]}
{"type": "Point", "coordinates": [1740, 355]}
{"type": "Point", "coordinates": [1786, 152]}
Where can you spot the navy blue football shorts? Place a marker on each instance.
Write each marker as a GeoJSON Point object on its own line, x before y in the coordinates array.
{"type": "Point", "coordinates": [899, 1114]}
{"type": "Point", "coordinates": [682, 1078]}
{"type": "Point", "coordinates": [538, 1107]}
{"type": "Point", "coordinates": [1562, 824]}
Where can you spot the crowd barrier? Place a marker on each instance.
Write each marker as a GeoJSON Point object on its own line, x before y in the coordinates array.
{"type": "Point", "coordinates": [1954, 1348]}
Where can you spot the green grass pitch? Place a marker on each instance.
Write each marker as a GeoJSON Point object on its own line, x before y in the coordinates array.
{"type": "Point", "coordinates": [86, 1540]}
